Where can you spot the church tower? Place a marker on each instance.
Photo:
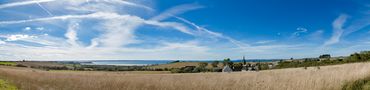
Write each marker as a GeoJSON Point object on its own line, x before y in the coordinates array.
{"type": "Point", "coordinates": [244, 64]}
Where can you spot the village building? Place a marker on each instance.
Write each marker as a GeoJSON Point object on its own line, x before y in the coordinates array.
{"type": "Point", "coordinates": [227, 69]}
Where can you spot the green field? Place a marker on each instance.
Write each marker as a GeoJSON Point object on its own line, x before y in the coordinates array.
{"type": "Point", "coordinates": [8, 63]}
{"type": "Point", "coordinates": [6, 86]}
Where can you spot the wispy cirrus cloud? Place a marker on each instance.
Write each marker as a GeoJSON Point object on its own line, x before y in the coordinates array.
{"type": "Point", "coordinates": [265, 41]}
{"type": "Point", "coordinates": [214, 34]}
{"type": "Point", "coordinates": [176, 10]}
{"type": "Point", "coordinates": [15, 4]}
{"type": "Point", "coordinates": [337, 30]}
{"type": "Point", "coordinates": [119, 30]}
{"type": "Point", "coordinates": [300, 30]}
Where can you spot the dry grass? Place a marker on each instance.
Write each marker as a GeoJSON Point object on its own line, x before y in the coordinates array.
{"type": "Point", "coordinates": [40, 64]}
{"type": "Point", "coordinates": [181, 64]}
{"type": "Point", "coordinates": [326, 78]}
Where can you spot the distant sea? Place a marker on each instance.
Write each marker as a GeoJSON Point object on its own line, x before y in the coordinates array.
{"type": "Point", "coordinates": [154, 62]}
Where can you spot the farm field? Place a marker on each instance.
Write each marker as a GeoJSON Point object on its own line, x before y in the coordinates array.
{"type": "Point", "coordinates": [313, 78]}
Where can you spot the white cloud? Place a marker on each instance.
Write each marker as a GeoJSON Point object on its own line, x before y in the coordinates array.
{"type": "Point", "coordinates": [176, 10]}
{"type": "Point", "coordinates": [317, 35]}
{"type": "Point", "coordinates": [183, 50]}
{"type": "Point", "coordinates": [174, 25]}
{"type": "Point", "coordinates": [265, 41]}
{"type": "Point", "coordinates": [45, 9]}
{"type": "Point", "coordinates": [27, 29]}
{"type": "Point", "coordinates": [2, 42]}
{"type": "Point", "coordinates": [40, 28]}
{"type": "Point", "coordinates": [99, 15]}
{"type": "Point", "coordinates": [71, 34]}
{"type": "Point", "coordinates": [299, 31]}
{"type": "Point", "coordinates": [90, 6]}
{"type": "Point", "coordinates": [214, 34]}
{"type": "Point", "coordinates": [129, 3]}
{"type": "Point", "coordinates": [18, 37]}
{"type": "Point", "coordinates": [15, 4]}
{"type": "Point", "coordinates": [117, 30]}
{"type": "Point", "coordinates": [337, 30]}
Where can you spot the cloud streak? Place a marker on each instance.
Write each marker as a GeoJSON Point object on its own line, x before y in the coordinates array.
{"type": "Point", "coordinates": [176, 10]}
{"type": "Point", "coordinates": [15, 4]}
{"type": "Point", "coordinates": [337, 30]}
{"type": "Point", "coordinates": [214, 34]}
{"type": "Point", "coordinates": [299, 31]}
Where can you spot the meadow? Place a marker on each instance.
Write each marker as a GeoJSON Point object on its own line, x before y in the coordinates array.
{"type": "Point", "coordinates": [7, 63]}
{"type": "Point", "coordinates": [313, 78]}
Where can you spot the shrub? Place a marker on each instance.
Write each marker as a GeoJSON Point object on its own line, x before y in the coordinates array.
{"type": "Point", "coordinates": [356, 85]}
{"type": "Point", "coordinates": [215, 63]}
{"type": "Point", "coordinates": [176, 70]}
{"type": "Point", "coordinates": [216, 69]}
{"type": "Point", "coordinates": [20, 65]}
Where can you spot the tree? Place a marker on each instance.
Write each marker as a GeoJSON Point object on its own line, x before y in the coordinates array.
{"type": "Point", "coordinates": [175, 61]}
{"type": "Point", "coordinates": [202, 66]}
{"type": "Point", "coordinates": [355, 57]}
{"type": "Point", "coordinates": [227, 61]}
{"type": "Point", "coordinates": [215, 63]}
{"type": "Point", "coordinates": [325, 56]}
{"type": "Point", "coordinates": [238, 66]}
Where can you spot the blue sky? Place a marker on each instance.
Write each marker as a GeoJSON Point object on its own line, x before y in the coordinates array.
{"type": "Point", "coordinates": [181, 29]}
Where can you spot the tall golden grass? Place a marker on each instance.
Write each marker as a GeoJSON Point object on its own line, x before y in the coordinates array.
{"type": "Point", "coordinates": [325, 78]}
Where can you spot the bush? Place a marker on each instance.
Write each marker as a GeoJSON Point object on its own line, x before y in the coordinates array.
{"type": "Point", "coordinates": [20, 65]}
{"type": "Point", "coordinates": [356, 85]}
{"type": "Point", "coordinates": [216, 70]}
{"type": "Point", "coordinates": [176, 70]}
{"type": "Point", "coordinates": [215, 63]}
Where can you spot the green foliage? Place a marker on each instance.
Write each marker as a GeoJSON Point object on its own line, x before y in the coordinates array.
{"type": "Point", "coordinates": [325, 56]}
{"type": "Point", "coordinates": [188, 69]}
{"type": "Point", "coordinates": [263, 66]}
{"type": "Point", "coordinates": [237, 66]}
{"type": "Point", "coordinates": [175, 61]}
{"type": "Point", "coordinates": [6, 86]}
{"type": "Point", "coordinates": [202, 67]}
{"type": "Point", "coordinates": [203, 64]}
{"type": "Point", "coordinates": [176, 70]}
{"type": "Point", "coordinates": [227, 61]}
{"type": "Point", "coordinates": [325, 60]}
{"type": "Point", "coordinates": [20, 65]}
{"type": "Point", "coordinates": [7, 63]}
{"type": "Point", "coordinates": [361, 84]}
{"type": "Point", "coordinates": [216, 69]}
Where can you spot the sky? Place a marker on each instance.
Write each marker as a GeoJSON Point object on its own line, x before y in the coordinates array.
{"type": "Point", "coordinates": [181, 29]}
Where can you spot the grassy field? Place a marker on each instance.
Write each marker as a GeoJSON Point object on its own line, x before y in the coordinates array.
{"type": "Point", "coordinates": [8, 63]}
{"type": "Point", "coordinates": [325, 78]}
{"type": "Point", "coordinates": [6, 86]}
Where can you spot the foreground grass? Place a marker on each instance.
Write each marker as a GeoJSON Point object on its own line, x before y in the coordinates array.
{"type": "Point", "coordinates": [6, 86]}
{"type": "Point", "coordinates": [122, 72]}
{"type": "Point", "coordinates": [325, 78]}
{"type": "Point", "coordinates": [361, 84]}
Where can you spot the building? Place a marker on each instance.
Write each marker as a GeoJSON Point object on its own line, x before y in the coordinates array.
{"type": "Point", "coordinates": [227, 69]}
{"type": "Point", "coordinates": [245, 67]}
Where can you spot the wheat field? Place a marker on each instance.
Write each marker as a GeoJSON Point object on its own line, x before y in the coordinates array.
{"type": "Point", "coordinates": [325, 78]}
